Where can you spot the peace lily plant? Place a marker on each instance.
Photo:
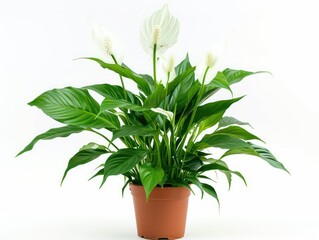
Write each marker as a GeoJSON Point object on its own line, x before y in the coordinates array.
{"type": "Point", "coordinates": [161, 134]}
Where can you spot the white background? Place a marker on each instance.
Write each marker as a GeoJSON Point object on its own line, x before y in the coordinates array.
{"type": "Point", "coordinates": [39, 40]}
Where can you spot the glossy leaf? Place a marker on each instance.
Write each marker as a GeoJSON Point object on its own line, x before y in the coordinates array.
{"type": "Point", "coordinates": [198, 184]}
{"type": "Point", "coordinates": [209, 109]}
{"type": "Point", "coordinates": [183, 66]}
{"type": "Point", "coordinates": [86, 154]}
{"type": "Point", "coordinates": [107, 90]}
{"type": "Point", "coordinates": [235, 76]}
{"type": "Point", "coordinates": [222, 166]}
{"type": "Point", "coordinates": [238, 132]}
{"type": "Point", "coordinates": [257, 151]}
{"type": "Point", "coordinates": [110, 103]}
{"type": "Point", "coordinates": [51, 134]}
{"type": "Point", "coordinates": [128, 130]}
{"type": "Point", "coordinates": [227, 121]}
{"type": "Point", "coordinates": [178, 80]}
{"type": "Point", "coordinates": [210, 121]}
{"type": "Point", "coordinates": [75, 107]}
{"type": "Point", "coordinates": [122, 161]}
{"type": "Point", "coordinates": [125, 72]}
{"type": "Point", "coordinates": [150, 177]}
{"type": "Point", "coordinates": [210, 190]}
{"type": "Point", "coordinates": [223, 141]}
{"type": "Point", "coordinates": [219, 81]}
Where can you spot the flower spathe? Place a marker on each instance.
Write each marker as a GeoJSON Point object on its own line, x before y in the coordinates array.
{"type": "Point", "coordinates": [108, 44]}
{"type": "Point", "coordinates": [161, 28]}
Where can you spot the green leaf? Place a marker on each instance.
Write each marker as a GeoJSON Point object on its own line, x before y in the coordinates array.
{"type": "Point", "coordinates": [177, 182]}
{"type": "Point", "coordinates": [180, 78]}
{"type": "Point", "coordinates": [210, 190]}
{"type": "Point", "coordinates": [222, 166]}
{"type": "Point", "coordinates": [116, 92]}
{"type": "Point", "coordinates": [226, 121]}
{"type": "Point", "coordinates": [210, 121]}
{"type": "Point", "coordinates": [86, 154]}
{"type": "Point", "coordinates": [232, 76]}
{"type": "Point", "coordinates": [110, 103]}
{"type": "Point", "coordinates": [125, 72]}
{"type": "Point", "coordinates": [238, 132]}
{"type": "Point", "coordinates": [125, 185]}
{"type": "Point", "coordinates": [235, 76]}
{"type": "Point", "coordinates": [182, 66]}
{"type": "Point", "coordinates": [128, 130]}
{"type": "Point", "coordinates": [210, 109]}
{"type": "Point", "coordinates": [150, 177]}
{"type": "Point", "coordinates": [156, 97]}
{"type": "Point", "coordinates": [75, 107]}
{"type": "Point", "coordinates": [51, 134]}
{"type": "Point", "coordinates": [257, 151]}
{"type": "Point", "coordinates": [123, 161]}
{"type": "Point", "coordinates": [223, 141]}
{"type": "Point", "coordinates": [219, 81]}
{"type": "Point", "coordinates": [192, 164]}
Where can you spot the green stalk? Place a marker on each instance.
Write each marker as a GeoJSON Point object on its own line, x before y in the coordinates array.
{"type": "Point", "coordinates": [194, 112]}
{"type": "Point", "coordinates": [168, 75]}
{"type": "Point", "coordinates": [154, 63]}
{"type": "Point", "coordinates": [108, 140]}
{"type": "Point", "coordinates": [157, 143]}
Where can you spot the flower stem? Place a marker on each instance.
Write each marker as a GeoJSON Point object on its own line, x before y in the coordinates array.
{"type": "Point", "coordinates": [122, 82]}
{"type": "Point", "coordinates": [154, 63]}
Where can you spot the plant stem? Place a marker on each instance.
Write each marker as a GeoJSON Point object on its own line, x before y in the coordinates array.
{"type": "Point", "coordinates": [194, 112]}
{"type": "Point", "coordinates": [159, 164]}
{"type": "Point", "coordinates": [168, 75]}
{"type": "Point", "coordinates": [154, 63]}
{"type": "Point", "coordinates": [121, 78]}
{"type": "Point", "coordinates": [108, 140]}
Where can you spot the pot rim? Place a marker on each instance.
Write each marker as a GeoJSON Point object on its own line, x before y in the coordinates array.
{"type": "Point", "coordinates": [160, 193]}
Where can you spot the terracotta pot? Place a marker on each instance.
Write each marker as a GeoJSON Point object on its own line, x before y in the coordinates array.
{"type": "Point", "coordinates": [164, 215]}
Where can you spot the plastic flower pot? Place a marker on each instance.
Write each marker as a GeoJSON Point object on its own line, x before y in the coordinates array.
{"type": "Point", "coordinates": [163, 215]}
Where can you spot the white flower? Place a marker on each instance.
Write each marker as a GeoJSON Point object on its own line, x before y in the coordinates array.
{"type": "Point", "coordinates": [108, 44]}
{"type": "Point", "coordinates": [169, 65]}
{"type": "Point", "coordinates": [161, 28]}
{"type": "Point", "coordinates": [168, 114]}
{"type": "Point", "coordinates": [168, 68]}
{"type": "Point", "coordinates": [210, 60]}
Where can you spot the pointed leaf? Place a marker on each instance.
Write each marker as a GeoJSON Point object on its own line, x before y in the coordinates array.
{"type": "Point", "coordinates": [182, 66]}
{"type": "Point", "coordinates": [128, 130]}
{"type": "Point", "coordinates": [219, 81]}
{"type": "Point", "coordinates": [209, 109]}
{"type": "Point", "coordinates": [226, 121]}
{"type": "Point", "coordinates": [180, 78]}
{"type": "Point", "coordinates": [86, 154]}
{"type": "Point", "coordinates": [123, 161]}
{"type": "Point", "coordinates": [210, 190]}
{"type": "Point", "coordinates": [116, 92]}
{"type": "Point", "coordinates": [257, 151]}
{"type": "Point", "coordinates": [234, 76]}
{"type": "Point", "coordinates": [223, 141]}
{"type": "Point", "coordinates": [238, 132]}
{"type": "Point", "coordinates": [125, 72]}
{"type": "Point", "coordinates": [110, 103]}
{"type": "Point", "coordinates": [75, 107]}
{"type": "Point", "coordinates": [150, 177]}
{"type": "Point", "coordinates": [51, 134]}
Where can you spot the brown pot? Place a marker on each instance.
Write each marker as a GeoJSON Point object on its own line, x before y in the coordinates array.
{"type": "Point", "coordinates": [163, 215]}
